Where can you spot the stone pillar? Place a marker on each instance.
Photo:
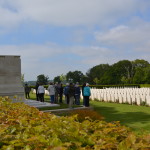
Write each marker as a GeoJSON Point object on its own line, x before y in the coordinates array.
{"type": "Point", "coordinates": [10, 76]}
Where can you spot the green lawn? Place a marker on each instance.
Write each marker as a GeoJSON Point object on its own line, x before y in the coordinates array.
{"type": "Point", "coordinates": [47, 99]}
{"type": "Point", "coordinates": [136, 117]}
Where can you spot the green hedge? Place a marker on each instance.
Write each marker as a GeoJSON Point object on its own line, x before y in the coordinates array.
{"type": "Point", "coordinates": [26, 128]}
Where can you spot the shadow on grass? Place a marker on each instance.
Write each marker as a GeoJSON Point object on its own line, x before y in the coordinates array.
{"type": "Point", "coordinates": [135, 119]}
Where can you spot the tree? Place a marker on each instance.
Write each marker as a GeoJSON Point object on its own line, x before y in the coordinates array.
{"type": "Point", "coordinates": [139, 76]}
{"type": "Point", "coordinates": [57, 79]}
{"type": "Point", "coordinates": [75, 76]}
{"type": "Point", "coordinates": [96, 81]}
{"type": "Point", "coordinates": [62, 78]}
{"type": "Point", "coordinates": [42, 79]}
{"type": "Point", "coordinates": [97, 72]}
{"type": "Point", "coordinates": [122, 69]}
{"type": "Point", "coordinates": [140, 63]}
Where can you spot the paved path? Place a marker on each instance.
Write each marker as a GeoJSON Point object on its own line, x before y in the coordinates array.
{"type": "Point", "coordinates": [66, 109]}
{"type": "Point", "coordinates": [37, 104]}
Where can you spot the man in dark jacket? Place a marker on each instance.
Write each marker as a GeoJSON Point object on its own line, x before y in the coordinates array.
{"type": "Point", "coordinates": [77, 94]}
{"type": "Point", "coordinates": [71, 93]}
{"type": "Point", "coordinates": [27, 91]}
{"type": "Point", "coordinates": [66, 93]}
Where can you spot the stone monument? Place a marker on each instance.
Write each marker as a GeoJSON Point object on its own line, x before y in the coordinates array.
{"type": "Point", "coordinates": [10, 76]}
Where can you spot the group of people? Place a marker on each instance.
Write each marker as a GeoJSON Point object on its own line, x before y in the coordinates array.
{"type": "Point", "coordinates": [72, 93]}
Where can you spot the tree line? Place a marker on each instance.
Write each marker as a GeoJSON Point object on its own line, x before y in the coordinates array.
{"type": "Point", "coordinates": [122, 72]}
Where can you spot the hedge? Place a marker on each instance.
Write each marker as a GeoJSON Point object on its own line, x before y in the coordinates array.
{"type": "Point", "coordinates": [26, 128]}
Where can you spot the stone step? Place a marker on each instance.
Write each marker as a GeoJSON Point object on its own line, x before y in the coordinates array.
{"type": "Point", "coordinates": [67, 109]}
{"type": "Point", "coordinates": [37, 104]}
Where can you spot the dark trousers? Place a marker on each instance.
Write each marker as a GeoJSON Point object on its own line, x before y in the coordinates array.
{"type": "Point", "coordinates": [27, 95]}
{"type": "Point", "coordinates": [86, 101]}
{"type": "Point", "coordinates": [52, 98]}
{"type": "Point", "coordinates": [37, 97]}
{"type": "Point", "coordinates": [67, 96]}
{"type": "Point", "coordinates": [77, 99]}
{"type": "Point", "coordinates": [41, 97]}
{"type": "Point", "coordinates": [60, 98]}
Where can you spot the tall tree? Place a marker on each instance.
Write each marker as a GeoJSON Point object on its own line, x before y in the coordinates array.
{"type": "Point", "coordinates": [122, 69]}
{"type": "Point", "coordinates": [97, 73]}
{"type": "Point", "coordinates": [57, 79]}
{"type": "Point", "coordinates": [75, 76]}
{"type": "Point", "coordinates": [42, 79]}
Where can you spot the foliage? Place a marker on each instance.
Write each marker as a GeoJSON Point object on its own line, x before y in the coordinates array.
{"type": "Point", "coordinates": [124, 71]}
{"type": "Point", "coordinates": [62, 78]}
{"type": "Point", "coordinates": [75, 76]}
{"type": "Point", "coordinates": [42, 79]}
{"type": "Point", "coordinates": [82, 114]}
{"type": "Point", "coordinates": [57, 79]}
{"type": "Point", "coordinates": [24, 127]}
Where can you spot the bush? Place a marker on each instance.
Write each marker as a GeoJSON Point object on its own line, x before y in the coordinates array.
{"type": "Point", "coordinates": [83, 114]}
{"type": "Point", "coordinates": [26, 128]}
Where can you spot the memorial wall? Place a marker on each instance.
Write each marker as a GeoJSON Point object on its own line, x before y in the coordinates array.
{"type": "Point", "coordinates": [10, 76]}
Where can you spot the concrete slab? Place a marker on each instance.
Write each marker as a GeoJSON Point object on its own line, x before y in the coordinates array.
{"type": "Point", "coordinates": [37, 104]}
{"type": "Point", "coordinates": [67, 109]}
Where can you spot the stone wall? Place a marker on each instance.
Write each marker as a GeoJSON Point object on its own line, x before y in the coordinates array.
{"type": "Point", "coordinates": [10, 76]}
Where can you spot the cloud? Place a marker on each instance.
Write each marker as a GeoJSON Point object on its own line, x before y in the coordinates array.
{"type": "Point", "coordinates": [133, 35]}
{"type": "Point", "coordinates": [53, 60]}
{"type": "Point", "coordinates": [68, 13]}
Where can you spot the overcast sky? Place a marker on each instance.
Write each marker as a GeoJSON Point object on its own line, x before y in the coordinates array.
{"type": "Point", "coordinates": [54, 37]}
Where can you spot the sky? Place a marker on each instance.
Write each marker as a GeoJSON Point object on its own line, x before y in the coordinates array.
{"type": "Point", "coordinates": [53, 37]}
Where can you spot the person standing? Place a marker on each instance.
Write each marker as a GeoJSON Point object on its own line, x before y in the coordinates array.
{"type": "Point", "coordinates": [66, 93]}
{"type": "Point", "coordinates": [56, 92]}
{"type": "Point", "coordinates": [77, 94]}
{"type": "Point", "coordinates": [71, 92]}
{"type": "Point", "coordinates": [87, 94]}
{"type": "Point", "coordinates": [60, 93]}
{"type": "Point", "coordinates": [41, 92]}
{"type": "Point", "coordinates": [27, 91]}
{"type": "Point", "coordinates": [51, 90]}
{"type": "Point", "coordinates": [83, 93]}
{"type": "Point", "coordinates": [36, 88]}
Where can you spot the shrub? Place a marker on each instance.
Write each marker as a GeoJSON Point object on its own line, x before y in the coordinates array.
{"type": "Point", "coordinates": [83, 114]}
{"type": "Point", "coordinates": [26, 128]}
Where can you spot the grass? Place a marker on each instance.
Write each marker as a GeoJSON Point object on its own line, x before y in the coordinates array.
{"type": "Point", "coordinates": [47, 99]}
{"type": "Point", "coordinates": [135, 117]}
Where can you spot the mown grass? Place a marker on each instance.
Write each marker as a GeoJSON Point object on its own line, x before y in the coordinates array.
{"type": "Point", "coordinates": [133, 116]}
{"type": "Point", "coordinates": [47, 99]}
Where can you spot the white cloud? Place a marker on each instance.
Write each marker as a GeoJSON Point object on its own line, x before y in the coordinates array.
{"type": "Point", "coordinates": [67, 12]}
{"type": "Point", "coordinates": [54, 60]}
{"type": "Point", "coordinates": [132, 35]}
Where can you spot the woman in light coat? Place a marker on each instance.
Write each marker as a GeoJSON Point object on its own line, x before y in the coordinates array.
{"type": "Point", "coordinates": [41, 92]}
{"type": "Point", "coordinates": [51, 90]}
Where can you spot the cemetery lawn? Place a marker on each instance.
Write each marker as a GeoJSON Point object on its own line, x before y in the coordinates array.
{"type": "Point", "coordinates": [47, 99]}
{"type": "Point", "coordinates": [135, 117]}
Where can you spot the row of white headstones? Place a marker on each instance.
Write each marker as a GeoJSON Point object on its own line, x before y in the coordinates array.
{"type": "Point", "coordinates": [139, 96]}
